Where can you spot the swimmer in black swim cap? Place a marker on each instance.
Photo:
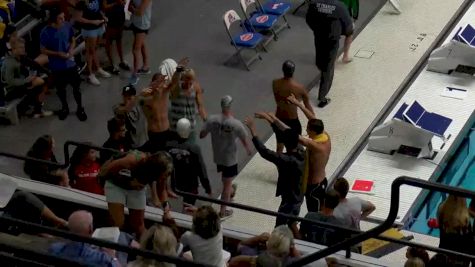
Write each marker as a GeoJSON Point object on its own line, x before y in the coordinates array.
{"type": "Point", "coordinates": [288, 68]}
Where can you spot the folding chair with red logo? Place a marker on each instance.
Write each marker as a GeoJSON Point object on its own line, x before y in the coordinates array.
{"type": "Point", "coordinates": [244, 39]}
{"type": "Point", "coordinates": [258, 19]}
{"type": "Point", "coordinates": [277, 8]}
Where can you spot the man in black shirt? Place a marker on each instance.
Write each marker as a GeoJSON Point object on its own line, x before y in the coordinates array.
{"type": "Point", "coordinates": [289, 165]}
{"type": "Point", "coordinates": [188, 162]}
{"type": "Point", "coordinates": [328, 19]}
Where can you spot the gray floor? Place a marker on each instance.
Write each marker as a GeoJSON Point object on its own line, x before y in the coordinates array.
{"type": "Point", "coordinates": [196, 30]}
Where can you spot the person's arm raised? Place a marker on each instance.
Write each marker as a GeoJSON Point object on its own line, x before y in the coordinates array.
{"type": "Point", "coordinates": [308, 113]}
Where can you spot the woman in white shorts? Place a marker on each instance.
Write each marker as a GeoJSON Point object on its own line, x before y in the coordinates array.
{"type": "Point", "coordinates": [125, 182]}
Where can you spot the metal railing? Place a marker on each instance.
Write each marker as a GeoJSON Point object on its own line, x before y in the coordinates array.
{"type": "Point", "coordinates": [345, 245]}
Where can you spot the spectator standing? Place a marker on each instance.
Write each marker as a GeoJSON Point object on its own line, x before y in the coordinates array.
{"type": "Point", "coordinates": [287, 112]}
{"type": "Point", "coordinates": [134, 117]}
{"type": "Point", "coordinates": [354, 10]}
{"type": "Point", "coordinates": [19, 83]}
{"type": "Point", "coordinates": [125, 181]}
{"type": "Point", "coordinates": [186, 98]}
{"type": "Point", "coordinates": [318, 146]}
{"type": "Point", "coordinates": [91, 20]}
{"type": "Point", "coordinates": [225, 130]}
{"type": "Point", "coordinates": [188, 163]}
{"type": "Point", "coordinates": [206, 238]}
{"type": "Point", "coordinates": [84, 169]}
{"type": "Point", "coordinates": [58, 43]}
{"type": "Point", "coordinates": [289, 166]}
{"type": "Point", "coordinates": [80, 223]}
{"type": "Point", "coordinates": [320, 234]}
{"type": "Point", "coordinates": [43, 149]}
{"type": "Point", "coordinates": [328, 19]}
{"type": "Point", "coordinates": [141, 20]}
{"type": "Point", "coordinates": [115, 13]}
{"type": "Point", "coordinates": [117, 139]}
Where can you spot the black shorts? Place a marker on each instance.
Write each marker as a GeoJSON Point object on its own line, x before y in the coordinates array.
{"type": "Point", "coordinates": [228, 172]}
{"type": "Point", "coordinates": [315, 194]}
{"type": "Point", "coordinates": [294, 124]}
{"type": "Point", "coordinates": [158, 141]}
{"type": "Point", "coordinates": [136, 30]}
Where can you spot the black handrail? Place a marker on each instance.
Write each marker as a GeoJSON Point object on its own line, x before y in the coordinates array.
{"type": "Point", "coordinates": [97, 242]}
{"type": "Point", "coordinates": [258, 210]}
{"type": "Point", "coordinates": [393, 210]}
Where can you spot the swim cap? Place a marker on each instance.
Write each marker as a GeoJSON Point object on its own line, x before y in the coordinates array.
{"type": "Point", "coordinates": [183, 128]}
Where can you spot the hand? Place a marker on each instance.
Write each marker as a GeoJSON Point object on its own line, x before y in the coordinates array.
{"type": "Point", "coordinates": [147, 91]}
{"type": "Point", "coordinates": [264, 237]}
{"type": "Point", "coordinates": [292, 99]}
{"type": "Point", "coordinates": [156, 203]}
{"type": "Point", "coordinates": [63, 55]}
{"type": "Point", "coordinates": [184, 62]}
{"type": "Point", "coordinates": [189, 208]}
{"type": "Point", "coordinates": [109, 252]}
{"type": "Point", "coordinates": [260, 115]}
{"type": "Point", "coordinates": [250, 124]}
{"type": "Point", "coordinates": [167, 215]}
{"type": "Point", "coordinates": [97, 22]}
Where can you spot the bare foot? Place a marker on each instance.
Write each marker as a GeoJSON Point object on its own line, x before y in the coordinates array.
{"type": "Point", "coordinates": [346, 59]}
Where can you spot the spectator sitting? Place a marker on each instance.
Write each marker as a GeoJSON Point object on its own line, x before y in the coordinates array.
{"type": "Point", "coordinates": [84, 169]}
{"type": "Point", "coordinates": [117, 140]}
{"type": "Point", "coordinates": [19, 82]}
{"type": "Point", "coordinates": [280, 250]}
{"type": "Point", "coordinates": [25, 206]}
{"type": "Point", "coordinates": [80, 223]}
{"type": "Point", "coordinates": [320, 234]}
{"type": "Point", "coordinates": [413, 252]}
{"type": "Point", "coordinates": [414, 262]}
{"type": "Point", "coordinates": [454, 225]}
{"type": "Point", "coordinates": [159, 239]}
{"type": "Point", "coordinates": [43, 149]}
{"type": "Point", "coordinates": [206, 238]}
{"type": "Point", "coordinates": [351, 210]}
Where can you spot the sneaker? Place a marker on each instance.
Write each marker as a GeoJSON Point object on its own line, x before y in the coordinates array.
{"type": "Point", "coordinates": [93, 80]}
{"type": "Point", "coordinates": [63, 114]}
{"type": "Point", "coordinates": [124, 65]}
{"type": "Point", "coordinates": [323, 103]}
{"type": "Point", "coordinates": [103, 73]}
{"type": "Point", "coordinates": [81, 114]}
{"type": "Point", "coordinates": [226, 214]}
{"type": "Point", "coordinates": [81, 67]}
{"type": "Point", "coordinates": [133, 80]}
{"type": "Point", "coordinates": [143, 71]}
{"type": "Point", "coordinates": [42, 114]}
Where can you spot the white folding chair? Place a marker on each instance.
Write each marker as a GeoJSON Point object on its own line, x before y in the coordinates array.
{"type": "Point", "coordinates": [246, 39]}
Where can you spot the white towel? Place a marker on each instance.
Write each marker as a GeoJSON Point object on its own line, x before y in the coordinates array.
{"type": "Point", "coordinates": [167, 67]}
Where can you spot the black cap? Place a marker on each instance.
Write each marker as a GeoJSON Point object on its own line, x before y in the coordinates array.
{"type": "Point", "coordinates": [129, 90]}
{"type": "Point", "coordinates": [288, 68]}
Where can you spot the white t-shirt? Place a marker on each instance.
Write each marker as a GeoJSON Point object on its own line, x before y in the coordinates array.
{"type": "Point", "coordinates": [207, 251]}
{"type": "Point", "coordinates": [349, 211]}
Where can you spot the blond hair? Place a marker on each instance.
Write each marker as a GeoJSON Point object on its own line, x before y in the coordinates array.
{"type": "Point", "coordinates": [280, 241]}
{"type": "Point", "coordinates": [453, 215]}
{"type": "Point", "coordinates": [159, 239]}
{"type": "Point", "coordinates": [414, 262]}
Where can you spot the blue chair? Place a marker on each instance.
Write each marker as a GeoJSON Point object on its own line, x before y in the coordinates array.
{"type": "Point", "coordinates": [244, 39]}
{"type": "Point", "coordinates": [257, 19]}
{"type": "Point", "coordinates": [277, 8]}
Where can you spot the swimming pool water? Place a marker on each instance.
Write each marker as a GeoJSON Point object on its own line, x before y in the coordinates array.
{"type": "Point", "coordinates": [459, 172]}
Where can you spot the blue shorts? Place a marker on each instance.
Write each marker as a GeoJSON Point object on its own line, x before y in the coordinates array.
{"type": "Point", "coordinates": [93, 33]}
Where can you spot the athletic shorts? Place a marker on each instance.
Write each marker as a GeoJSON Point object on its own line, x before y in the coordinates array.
{"type": "Point", "coordinates": [294, 124]}
{"type": "Point", "coordinates": [158, 141]}
{"type": "Point", "coordinates": [315, 194]}
{"type": "Point", "coordinates": [132, 199]}
{"type": "Point", "coordinates": [136, 30]}
{"type": "Point", "coordinates": [114, 32]}
{"type": "Point", "coordinates": [228, 172]}
{"type": "Point", "coordinates": [93, 33]}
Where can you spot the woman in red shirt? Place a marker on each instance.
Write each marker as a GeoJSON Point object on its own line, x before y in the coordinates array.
{"type": "Point", "coordinates": [84, 169]}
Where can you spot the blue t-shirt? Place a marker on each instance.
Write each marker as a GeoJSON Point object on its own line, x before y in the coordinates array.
{"type": "Point", "coordinates": [58, 39]}
{"type": "Point", "coordinates": [83, 253]}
